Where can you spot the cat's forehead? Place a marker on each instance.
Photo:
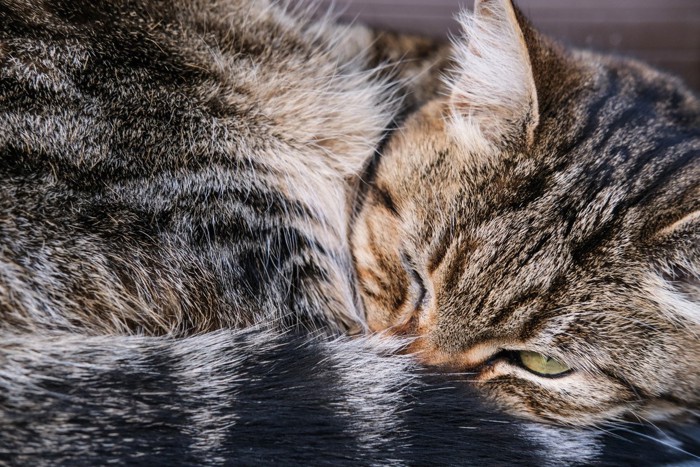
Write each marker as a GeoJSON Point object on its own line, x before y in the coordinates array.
{"type": "Point", "coordinates": [589, 141]}
{"type": "Point", "coordinates": [557, 219]}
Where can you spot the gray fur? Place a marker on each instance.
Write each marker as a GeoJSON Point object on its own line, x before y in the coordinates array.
{"type": "Point", "coordinates": [257, 396]}
{"type": "Point", "coordinates": [174, 172]}
{"type": "Point", "coordinates": [161, 162]}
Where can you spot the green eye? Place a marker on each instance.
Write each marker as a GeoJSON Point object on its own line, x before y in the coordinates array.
{"type": "Point", "coordinates": [541, 364]}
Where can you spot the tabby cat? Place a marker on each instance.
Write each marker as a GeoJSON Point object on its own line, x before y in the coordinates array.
{"type": "Point", "coordinates": [184, 192]}
{"type": "Point", "coordinates": [541, 225]}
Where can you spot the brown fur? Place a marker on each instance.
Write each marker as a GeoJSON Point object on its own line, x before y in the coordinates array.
{"type": "Point", "coordinates": [176, 167]}
{"type": "Point", "coordinates": [562, 220]}
{"type": "Point", "coordinates": [160, 169]}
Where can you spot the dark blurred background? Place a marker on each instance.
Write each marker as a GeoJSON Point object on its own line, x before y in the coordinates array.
{"type": "Point", "coordinates": [665, 33]}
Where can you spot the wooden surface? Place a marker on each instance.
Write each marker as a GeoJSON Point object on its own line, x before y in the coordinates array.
{"type": "Point", "coordinates": [665, 33]}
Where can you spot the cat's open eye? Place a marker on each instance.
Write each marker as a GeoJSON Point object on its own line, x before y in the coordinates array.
{"type": "Point", "coordinates": [542, 365]}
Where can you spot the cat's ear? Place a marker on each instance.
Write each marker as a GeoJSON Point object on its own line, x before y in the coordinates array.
{"type": "Point", "coordinates": [493, 94]}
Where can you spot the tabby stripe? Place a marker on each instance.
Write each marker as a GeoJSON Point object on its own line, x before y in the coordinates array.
{"type": "Point", "coordinates": [440, 250]}
{"type": "Point", "coordinates": [587, 247]}
{"type": "Point", "coordinates": [664, 177]}
{"type": "Point", "coordinates": [385, 199]}
{"type": "Point", "coordinates": [612, 88]}
{"type": "Point", "coordinates": [537, 320]}
{"type": "Point", "coordinates": [535, 249]}
{"type": "Point", "coordinates": [501, 316]}
{"type": "Point", "coordinates": [455, 270]}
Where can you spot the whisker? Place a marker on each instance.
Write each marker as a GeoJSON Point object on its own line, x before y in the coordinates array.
{"type": "Point", "coordinates": [660, 441]}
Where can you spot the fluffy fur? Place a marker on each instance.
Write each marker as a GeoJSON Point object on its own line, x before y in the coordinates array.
{"type": "Point", "coordinates": [548, 203]}
{"type": "Point", "coordinates": [255, 396]}
{"type": "Point", "coordinates": [175, 171]}
{"type": "Point", "coordinates": [176, 150]}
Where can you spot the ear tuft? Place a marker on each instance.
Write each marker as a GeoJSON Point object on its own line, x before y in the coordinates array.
{"type": "Point", "coordinates": [493, 92]}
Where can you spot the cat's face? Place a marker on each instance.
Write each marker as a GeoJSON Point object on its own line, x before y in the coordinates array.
{"type": "Point", "coordinates": [539, 227]}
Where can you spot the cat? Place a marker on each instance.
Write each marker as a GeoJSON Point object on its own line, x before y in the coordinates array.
{"type": "Point", "coordinates": [540, 225]}
{"type": "Point", "coordinates": [162, 162]}
{"type": "Point", "coordinates": [177, 176]}
{"type": "Point", "coordinates": [168, 156]}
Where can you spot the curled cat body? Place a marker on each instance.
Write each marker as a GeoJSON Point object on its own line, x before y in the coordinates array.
{"type": "Point", "coordinates": [178, 167]}
{"type": "Point", "coordinates": [182, 174]}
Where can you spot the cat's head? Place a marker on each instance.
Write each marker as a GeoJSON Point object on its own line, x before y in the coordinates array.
{"type": "Point", "coordinates": [540, 226]}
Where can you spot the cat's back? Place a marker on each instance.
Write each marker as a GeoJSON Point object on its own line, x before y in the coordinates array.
{"type": "Point", "coordinates": [158, 70]}
{"type": "Point", "coordinates": [157, 157]}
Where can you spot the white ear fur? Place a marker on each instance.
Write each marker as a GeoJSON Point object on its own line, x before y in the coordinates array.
{"type": "Point", "coordinates": [493, 93]}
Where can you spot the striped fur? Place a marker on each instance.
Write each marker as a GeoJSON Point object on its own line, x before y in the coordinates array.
{"type": "Point", "coordinates": [176, 150]}
{"type": "Point", "coordinates": [175, 171]}
{"type": "Point", "coordinates": [258, 397]}
{"type": "Point", "coordinates": [561, 220]}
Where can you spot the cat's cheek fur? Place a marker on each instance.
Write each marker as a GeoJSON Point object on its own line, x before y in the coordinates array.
{"type": "Point", "coordinates": [383, 281]}
{"type": "Point", "coordinates": [573, 399]}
